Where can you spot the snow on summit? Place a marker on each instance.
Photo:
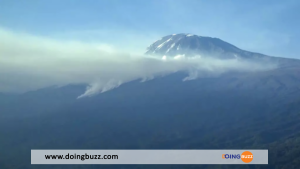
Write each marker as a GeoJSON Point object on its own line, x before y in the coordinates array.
{"type": "Point", "coordinates": [191, 45]}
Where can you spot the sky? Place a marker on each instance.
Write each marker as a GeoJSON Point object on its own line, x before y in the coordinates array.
{"type": "Point", "coordinates": [268, 27]}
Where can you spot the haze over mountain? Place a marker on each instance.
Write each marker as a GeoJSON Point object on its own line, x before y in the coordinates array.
{"type": "Point", "coordinates": [42, 62]}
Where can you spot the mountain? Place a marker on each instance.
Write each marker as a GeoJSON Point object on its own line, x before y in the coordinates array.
{"type": "Point", "coordinates": [251, 110]}
{"type": "Point", "coordinates": [191, 45]}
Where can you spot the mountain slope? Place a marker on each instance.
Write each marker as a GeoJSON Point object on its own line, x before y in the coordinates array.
{"type": "Point", "coordinates": [155, 114]}
{"type": "Point", "coordinates": [232, 111]}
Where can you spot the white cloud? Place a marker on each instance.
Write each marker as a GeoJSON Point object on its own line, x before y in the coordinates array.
{"type": "Point", "coordinates": [29, 62]}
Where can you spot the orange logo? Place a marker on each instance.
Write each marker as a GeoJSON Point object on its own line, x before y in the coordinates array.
{"type": "Point", "coordinates": [247, 156]}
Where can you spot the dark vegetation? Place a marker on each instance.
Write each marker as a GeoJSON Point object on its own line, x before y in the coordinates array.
{"type": "Point", "coordinates": [160, 114]}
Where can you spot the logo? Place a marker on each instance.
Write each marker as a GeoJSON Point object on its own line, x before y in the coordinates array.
{"type": "Point", "coordinates": [246, 156]}
{"type": "Point", "coordinates": [231, 156]}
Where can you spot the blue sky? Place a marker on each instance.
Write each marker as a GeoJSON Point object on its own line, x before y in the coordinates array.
{"type": "Point", "coordinates": [269, 27]}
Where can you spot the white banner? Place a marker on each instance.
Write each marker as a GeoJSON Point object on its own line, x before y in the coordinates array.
{"type": "Point", "coordinates": [149, 156]}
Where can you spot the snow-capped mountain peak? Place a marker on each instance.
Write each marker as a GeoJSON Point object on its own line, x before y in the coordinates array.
{"type": "Point", "coordinates": [190, 45]}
